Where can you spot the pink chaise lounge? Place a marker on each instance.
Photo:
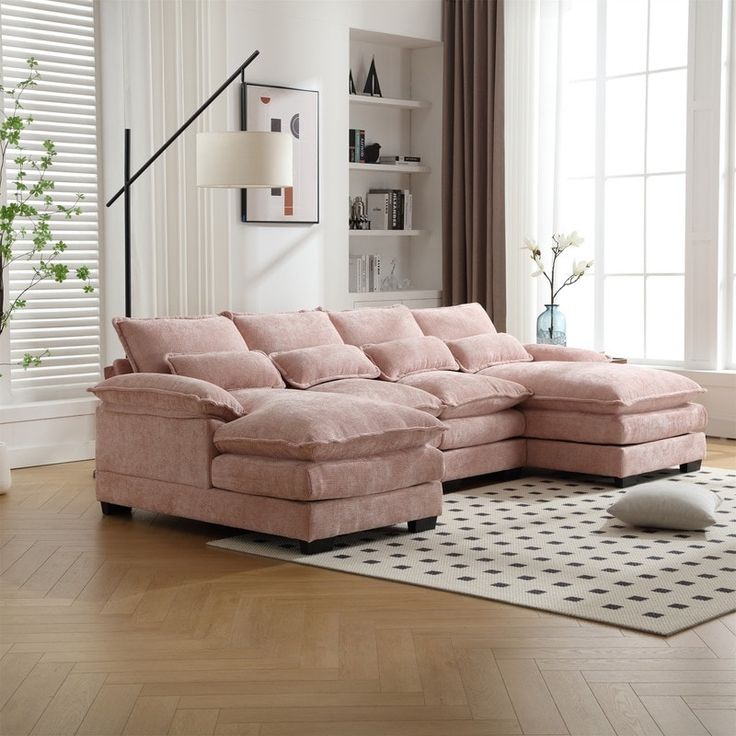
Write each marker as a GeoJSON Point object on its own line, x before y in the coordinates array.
{"type": "Point", "coordinates": [382, 406]}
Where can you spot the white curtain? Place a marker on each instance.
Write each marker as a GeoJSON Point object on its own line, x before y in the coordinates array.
{"type": "Point", "coordinates": [532, 31]}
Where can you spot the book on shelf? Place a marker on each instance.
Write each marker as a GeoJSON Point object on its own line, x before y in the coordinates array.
{"type": "Point", "coordinates": [390, 209]}
{"type": "Point", "coordinates": [364, 273]}
{"type": "Point", "coordinates": [400, 160]}
{"type": "Point", "coordinates": [356, 145]}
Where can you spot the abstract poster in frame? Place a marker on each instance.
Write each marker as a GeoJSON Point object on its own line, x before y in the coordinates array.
{"type": "Point", "coordinates": [284, 109]}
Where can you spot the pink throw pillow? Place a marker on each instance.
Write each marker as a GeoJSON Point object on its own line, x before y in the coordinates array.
{"type": "Point", "coordinates": [147, 341]}
{"type": "Point", "coordinates": [561, 352]}
{"type": "Point", "coordinates": [230, 371]}
{"type": "Point", "coordinates": [364, 326]}
{"type": "Point", "coordinates": [452, 323]}
{"type": "Point", "coordinates": [285, 330]}
{"type": "Point", "coordinates": [309, 366]}
{"type": "Point", "coordinates": [475, 353]}
{"type": "Point", "coordinates": [398, 358]}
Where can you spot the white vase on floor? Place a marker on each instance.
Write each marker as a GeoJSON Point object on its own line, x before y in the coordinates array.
{"type": "Point", "coordinates": [5, 480]}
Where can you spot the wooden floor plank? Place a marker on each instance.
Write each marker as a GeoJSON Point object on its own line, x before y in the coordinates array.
{"type": "Point", "coordinates": [69, 706]}
{"type": "Point", "coordinates": [110, 710]}
{"type": "Point", "coordinates": [577, 705]}
{"type": "Point", "coordinates": [533, 703]}
{"type": "Point", "coordinates": [151, 716]}
{"type": "Point", "coordinates": [673, 716]}
{"type": "Point", "coordinates": [624, 710]}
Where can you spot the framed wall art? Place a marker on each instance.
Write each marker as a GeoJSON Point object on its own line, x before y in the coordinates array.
{"type": "Point", "coordinates": [284, 109]}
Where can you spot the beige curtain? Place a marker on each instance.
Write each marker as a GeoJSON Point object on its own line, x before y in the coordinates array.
{"type": "Point", "coordinates": [473, 232]}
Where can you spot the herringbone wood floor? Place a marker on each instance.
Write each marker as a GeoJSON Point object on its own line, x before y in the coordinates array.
{"type": "Point", "coordinates": [133, 626]}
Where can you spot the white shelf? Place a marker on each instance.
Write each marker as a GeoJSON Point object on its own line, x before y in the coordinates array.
{"type": "Point", "coordinates": [391, 168]}
{"type": "Point", "coordinates": [379, 296]}
{"type": "Point", "coordinates": [389, 102]}
{"type": "Point", "coordinates": [386, 233]}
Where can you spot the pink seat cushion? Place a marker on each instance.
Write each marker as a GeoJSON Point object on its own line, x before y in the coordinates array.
{"type": "Point", "coordinates": [285, 331]}
{"type": "Point", "coordinates": [482, 430]}
{"type": "Point", "coordinates": [363, 326]}
{"type": "Point", "coordinates": [398, 358]}
{"type": "Point", "coordinates": [395, 393]}
{"type": "Point", "coordinates": [148, 341]}
{"type": "Point", "coordinates": [599, 388]}
{"type": "Point", "coordinates": [320, 426]}
{"type": "Point", "coordinates": [308, 367]}
{"type": "Point", "coordinates": [452, 323]}
{"type": "Point", "coordinates": [477, 352]}
{"type": "Point", "coordinates": [619, 429]}
{"type": "Point", "coordinates": [235, 370]}
{"type": "Point", "coordinates": [561, 352]}
{"type": "Point", "coordinates": [468, 395]}
{"type": "Point", "coordinates": [303, 480]}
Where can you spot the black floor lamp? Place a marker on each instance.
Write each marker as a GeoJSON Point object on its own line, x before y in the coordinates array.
{"type": "Point", "coordinates": [241, 159]}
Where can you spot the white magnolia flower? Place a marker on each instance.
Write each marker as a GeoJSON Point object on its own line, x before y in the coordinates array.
{"type": "Point", "coordinates": [572, 239]}
{"type": "Point", "coordinates": [580, 267]}
{"type": "Point", "coordinates": [530, 244]}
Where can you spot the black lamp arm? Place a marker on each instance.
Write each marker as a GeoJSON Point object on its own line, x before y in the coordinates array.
{"type": "Point", "coordinates": [185, 125]}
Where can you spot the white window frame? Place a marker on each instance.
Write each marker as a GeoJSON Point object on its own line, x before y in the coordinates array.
{"type": "Point", "coordinates": [705, 298]}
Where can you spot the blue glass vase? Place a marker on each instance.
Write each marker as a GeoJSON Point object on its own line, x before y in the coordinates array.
{"type": "Point", "coordinates": [551, 326]}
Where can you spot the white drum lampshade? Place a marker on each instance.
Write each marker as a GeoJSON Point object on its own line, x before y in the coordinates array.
{"type": "Point", "coordinates": [244, 159]}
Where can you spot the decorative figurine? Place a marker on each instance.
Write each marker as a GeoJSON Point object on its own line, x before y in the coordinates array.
{"type": "Point", "coordinates": [372, 87]}
{"type": "Point", "coordinates": [372, 152]}
{"type": "Point", "coordinates": [351, 88]}
{"type": "Point", "coordinates": [358, 219]}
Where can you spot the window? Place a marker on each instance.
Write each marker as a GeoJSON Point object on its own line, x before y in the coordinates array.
{"type": "Point", "coordinates": [60, 35]}
{"type": "Point", "coordinates": [621, 172]}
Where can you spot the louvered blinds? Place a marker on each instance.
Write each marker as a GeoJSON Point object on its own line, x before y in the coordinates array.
{"type": "Point", "coordinates": [59, 317]}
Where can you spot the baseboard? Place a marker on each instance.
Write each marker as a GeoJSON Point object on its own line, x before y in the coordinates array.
{"type": "Point", "coordinates": [59, 452]}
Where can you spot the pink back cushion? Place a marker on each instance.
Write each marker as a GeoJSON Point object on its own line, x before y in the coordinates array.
{"type": "Point", "coordinates": [451, 323]}
{"type": "Point", "coordinates": [477, 352]}
{"type": "Point", "coordinates": [363, 326]}
{"type": "Point", "coordinates": [230, 371]}
{"type": "Point", "coordinates": [286, 330]}
{"type": "Point", "coordinates": [398, 358]}
{"type": "Point", "coordinates": [308, 367]}
{"type": "Point", "coordinates": [148, 341]}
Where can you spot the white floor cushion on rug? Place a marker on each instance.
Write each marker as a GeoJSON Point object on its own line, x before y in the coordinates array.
{"type": "Point", "coordinates": [665, 505]}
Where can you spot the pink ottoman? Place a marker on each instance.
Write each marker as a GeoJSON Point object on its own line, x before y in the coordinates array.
{"type": "Point", "coordinates": [604, 419]}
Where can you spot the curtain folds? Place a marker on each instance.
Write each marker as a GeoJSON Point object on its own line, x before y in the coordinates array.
{"type": "Point", "coordinates": [474, 259]}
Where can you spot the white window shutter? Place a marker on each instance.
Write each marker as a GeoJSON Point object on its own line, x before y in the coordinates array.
{"type": "Point", "coordinates": [59, 317]}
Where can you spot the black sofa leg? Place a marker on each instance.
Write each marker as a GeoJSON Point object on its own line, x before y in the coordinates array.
{"type": "Point", "coordinates": [108, 509]}
{"type": "Point", "coordinates": [316, 546]}
{"type": "Point", "coordinates": [690, 467]}
{"type": "Point", "coordinates": [627, 482]}
{"type": "Point", "coordinates": [422, 525]}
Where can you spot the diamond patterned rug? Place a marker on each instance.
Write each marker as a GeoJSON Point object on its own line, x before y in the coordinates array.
{"type": "Point", "coordinates": [548, 543]}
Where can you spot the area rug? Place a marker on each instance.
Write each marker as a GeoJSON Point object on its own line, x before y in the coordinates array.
{"type": "Point", "coordinates": [548, 543]}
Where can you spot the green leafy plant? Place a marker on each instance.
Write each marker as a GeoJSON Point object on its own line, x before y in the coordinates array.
{"type": "Point", "coordinates": [28, 208]}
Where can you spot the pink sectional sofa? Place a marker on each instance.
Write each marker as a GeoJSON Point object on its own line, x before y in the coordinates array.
{"type": "Point", "coordinates": [315, 424]}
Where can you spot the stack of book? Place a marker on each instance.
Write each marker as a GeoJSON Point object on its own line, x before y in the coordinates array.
{"type": "Point", "coordinates": [400, 160]}
{"type": "Point", "coordinates": [365, 273]}
{"type": "Point", "coordinates": [356, 145]}
{"type": "Point", "coordinates": [389, 209]}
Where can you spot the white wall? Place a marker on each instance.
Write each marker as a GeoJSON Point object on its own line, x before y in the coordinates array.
{"type": "Point", "coordinates": [155, 56]}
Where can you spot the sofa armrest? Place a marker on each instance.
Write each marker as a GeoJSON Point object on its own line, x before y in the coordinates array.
{"type": "Point", "coordinates": [560, 352]}
{"type": "Point", "coordinates": [167, 395]}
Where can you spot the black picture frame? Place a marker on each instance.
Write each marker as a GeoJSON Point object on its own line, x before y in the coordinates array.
{"type": "Point", "coordinates": [301, 205]}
